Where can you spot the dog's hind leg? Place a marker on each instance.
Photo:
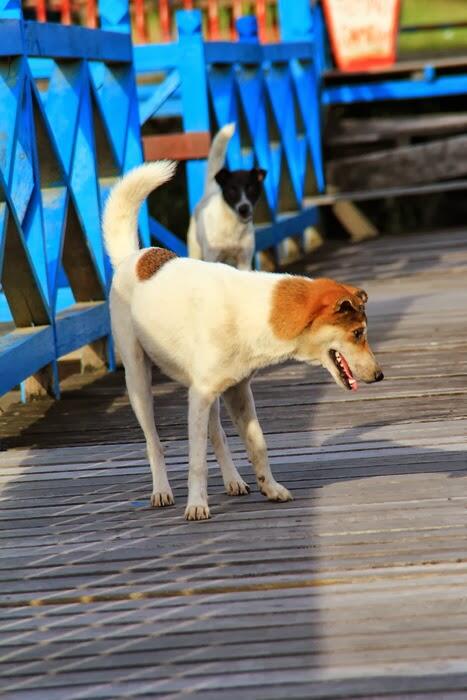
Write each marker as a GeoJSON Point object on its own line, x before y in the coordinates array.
{"type": "Point", "coordinates": [241, 406]}
{"type": "Point", "coordinates": [199, 408]}
{"type": "Point", "coordinates": [138, 381]}
{"type": "Point", "coordinates": [233, 482]}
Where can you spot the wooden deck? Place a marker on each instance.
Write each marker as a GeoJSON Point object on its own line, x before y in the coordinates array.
{"type": "Point", "coordinates": [358, 588]}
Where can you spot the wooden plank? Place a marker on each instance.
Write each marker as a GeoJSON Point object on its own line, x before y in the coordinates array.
{"type": "Point", "coordinates": [367, 195]}
{"type": "Point", "coordinates": [11, 39]}
{"type": "Point", "coordinates": [355, 588]}
{"type": "Point", "coordinates": [354, 221]}
{"type": "Point", "coordinates": [396, 167]}
{"type": "Point", "coordinates": [60, 41]}
{"type": "Point", "coordinates": [227, 52]}
{"type": "Point", "coordinates": [22, 352]}
{"type": "Point", "coordinates": [188, 146]}
{"type": "Point", "coordinates": [80, 324]}
{"type": "Point", "coordinates": [352, 131]}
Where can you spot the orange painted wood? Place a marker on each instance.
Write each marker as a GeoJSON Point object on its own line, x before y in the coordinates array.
{"type": "Point", "coordinates": [140, 21]}
{"type": "Point", "coordinates": [66, 12]}
{"type": "Point", "coordinates": [189, 146]}
{"type": "Point", "coordinates": [164, 19]}
{"type": "Point", "coordinates": [41, 11]}
{"type": "Point", "coordinates": [213, 19]}
{"type": "Point", "coordinates": [91, 14]}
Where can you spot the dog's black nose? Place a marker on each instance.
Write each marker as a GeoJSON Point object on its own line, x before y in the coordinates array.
{"type": "Point", "coordinates": [244, 210]}
{"type": "Point", "coordinates": [379, 376]}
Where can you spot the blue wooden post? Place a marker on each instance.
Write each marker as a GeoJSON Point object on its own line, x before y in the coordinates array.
{"type": "Point", "coordinates": [10, 9]}
{"type": "Point", "coordinates": [195, 111]}
{"type": "Point", "coordinates": [295, 20]}
{"type": "Point", "coordinates": [115, 15]}
{"type": "Point", "coordinates": [247, 28]}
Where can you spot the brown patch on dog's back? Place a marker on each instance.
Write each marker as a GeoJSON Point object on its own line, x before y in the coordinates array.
{"type": "Point", "coordinates": [298, 301]}
{"type": "Point", "coordinates": [151, 261]}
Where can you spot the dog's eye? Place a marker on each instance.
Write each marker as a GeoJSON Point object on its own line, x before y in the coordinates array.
{"type": "Point", "coordinates": [232, 191]}
{"type": "Point", "coordinates": [358, 333]}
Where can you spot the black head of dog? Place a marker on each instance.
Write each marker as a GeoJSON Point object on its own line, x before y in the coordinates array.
{"type": "Point", "coordinates": [241, 190]}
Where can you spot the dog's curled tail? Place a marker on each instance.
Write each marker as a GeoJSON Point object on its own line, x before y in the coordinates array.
{"type": "Point", "coordinates": [120, 219]}
{"type": "Point", "coordinates": [218, 149]}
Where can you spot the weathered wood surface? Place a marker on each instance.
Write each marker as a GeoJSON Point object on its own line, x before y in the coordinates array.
{"type": "Point", "coordinates": [442, 159]}
{"type": "Point", "coordinates": [355, 589]}
{"type": "Point", "coordinates": [371, 130]}
{"type": "Point", "coordinates": [189, 146]}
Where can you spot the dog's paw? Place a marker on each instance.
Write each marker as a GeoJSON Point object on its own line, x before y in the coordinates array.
{"type": "Point", "coordinates": [275, 491]}
{"type": "Point", "coordinates": [159, 499]}
{"type": "Point", "coordinates": [197, 512]}
{"type": "Point", "coordinates": [237, 488]}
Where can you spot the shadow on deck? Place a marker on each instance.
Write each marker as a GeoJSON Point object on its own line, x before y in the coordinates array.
{"type": "Point", "coordinates": [356, 588]}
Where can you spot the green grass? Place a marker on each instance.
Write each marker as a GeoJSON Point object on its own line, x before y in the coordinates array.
{"type": "Point", "coordinates": [445, 41]}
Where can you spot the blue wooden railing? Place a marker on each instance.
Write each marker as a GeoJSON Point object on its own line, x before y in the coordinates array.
{"type": "Point", "coordinates": [70, 120]}
{"type": "Point", "coordinates": [63, 142]}
{"type": "Point", "coordinates": [70, 125]}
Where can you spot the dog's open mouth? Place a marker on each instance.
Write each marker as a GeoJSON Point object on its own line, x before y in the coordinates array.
{"type": "Point", "coordinates": [344, 370]}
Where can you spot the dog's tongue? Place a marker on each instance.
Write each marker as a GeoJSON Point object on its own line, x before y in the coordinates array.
{"type": "Point", "coordinates": [352, 381]}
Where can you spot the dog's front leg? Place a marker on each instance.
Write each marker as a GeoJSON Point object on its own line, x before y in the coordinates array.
{"type": "Point", "coordinates": [199, 406]}
{"type": "Point", "coordinates": [241, 406]}
{"type": "Point", "coordinates": [233, 482]}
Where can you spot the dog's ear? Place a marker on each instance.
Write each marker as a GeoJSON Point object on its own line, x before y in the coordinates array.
{"type": "Point", "coordinates": [348, 303]}
{"type": "Point", "coordinates": [260, 174]}
{"type": "Point", "coordinates": [222, 176]}
{"type": "Point", "coordinates": [360, 293]}
{"type": "Point", "coordinates": [296, 304]}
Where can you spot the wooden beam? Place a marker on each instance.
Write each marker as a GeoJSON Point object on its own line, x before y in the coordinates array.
{"type": "Point", "coordinates": [192, 145]}
{"type": "Point", "coordinates": [40, 384]}
{"type": "Point", "coordinates": [409, 165]}
{"type": "Point", "coordinates": [94, 356]}
{"type": "Point", "coordinates": [24, 351]}
{"type": "Point", "coordinates": [328, 198]}
{"type": "Point", "coordinates": [357, 225]}
{"type": "Point", "coordinates": [60, 41]}
{"type": "Point", "coordinates": [79, 323]}
{"type": "Point", "coordinates": [354, 131]}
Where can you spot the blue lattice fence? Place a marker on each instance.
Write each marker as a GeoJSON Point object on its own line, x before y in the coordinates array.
{"type": "Point", "coordinates": [70, 124]}
{"type": "Point", "coordinates": [68, 127]}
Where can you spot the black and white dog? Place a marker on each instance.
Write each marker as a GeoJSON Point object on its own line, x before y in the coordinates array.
{"type": "Point", "coordinates": [221, 228]}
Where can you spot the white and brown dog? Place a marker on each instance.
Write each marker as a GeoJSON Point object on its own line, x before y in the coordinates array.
{"type": "Point", "coordinates": [221, 227]}
{"type": "Point", "coordinates": [210, 327]}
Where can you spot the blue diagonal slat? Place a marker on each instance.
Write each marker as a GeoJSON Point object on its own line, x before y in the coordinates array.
{"type": "Point", "coordinates": [250, 88]}
{"type": "Point", "coordinates": [62, 105]}
{"type": "Point", "coordinates": [160, 94]}
{"type": "Point", "coordinates": [54, 202]}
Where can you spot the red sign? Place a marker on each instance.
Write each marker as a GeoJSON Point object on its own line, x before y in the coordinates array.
{"type": "Point", "coordinates": [363, 33]}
